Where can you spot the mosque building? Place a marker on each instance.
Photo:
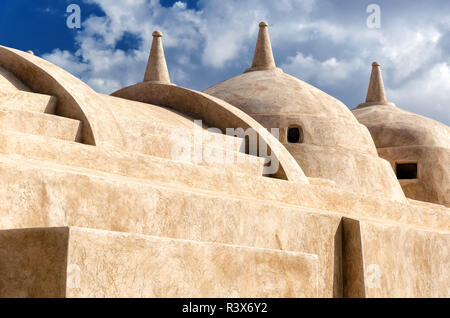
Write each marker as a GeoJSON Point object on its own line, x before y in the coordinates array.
{"type": "Point", "coordinates": [117, 196]}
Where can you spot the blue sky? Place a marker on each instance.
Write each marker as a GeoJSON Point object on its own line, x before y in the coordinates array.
{"type": "Point", "coordinates": [324, 42]}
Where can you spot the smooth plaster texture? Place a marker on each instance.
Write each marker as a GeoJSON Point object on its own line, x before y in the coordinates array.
{"type": "Point", "coordinates": [335, 146]}
{"type": "Point", "coordinates": [137, 223]}
{"type": "Point", "coordinates": [33, 262]}
{"type": "Point", "coordinates": [77, 262]}
{"type": "Point", "coordinates": [179, 268]}
{"type": "Point", "coordinates": [385, 277]}
{"type": "Point", "coordinates": [155, 210]}
{"type": "Point", "coordinates": [40, 124]}
{"type": "Point", "coordinates": [20, 100]}
{"type": "Point", "coordinates": [216, 113]}
{"type": "Point", "coordinates": [402, 136]}
{"type": "Point", "coordinates": [76, 100]}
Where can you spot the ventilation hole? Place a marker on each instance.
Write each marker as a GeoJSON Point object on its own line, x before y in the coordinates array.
{"type": "Point", "coordinates": [406, 171]}
{"type": "Point", "coordinates": [294, 135]}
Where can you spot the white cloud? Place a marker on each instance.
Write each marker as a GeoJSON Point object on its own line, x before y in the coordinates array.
{"type": "Point", "coordinates": [329, 72]}
{"type": "Point", "coordinates": [107, 68]}
{"type": "Point", "coordinates": [230, 27]}
{"type": "Point", "coordinates": [67, 61]}
{"type": "Point", "coordinates": [410, 50]}
{"type": "Point", "coordinates": [324, 43]}
{"type": "Point", "coordinates": [428, 95]}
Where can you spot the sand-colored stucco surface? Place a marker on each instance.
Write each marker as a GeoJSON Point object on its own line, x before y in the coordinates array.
{"type": "Point", "coordinates": [404, 137]}
{"type": "Point", "coordinates": [129, 195]}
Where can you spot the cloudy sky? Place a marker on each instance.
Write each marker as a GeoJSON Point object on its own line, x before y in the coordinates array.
{"type": "Point", "coordinates": [324, 42]}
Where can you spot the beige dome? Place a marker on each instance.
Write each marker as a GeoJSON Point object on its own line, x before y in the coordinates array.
{"type": "Point", "coordinates": [332, 144]}
{"type": "Point", "coordinates": [405, 138]}
{"type": "Point", "coordinates": [391, 126]}
{"type": "Point", "coordinates": [272, 92]}
{"type": "Point", "coordinates": [325, 120]}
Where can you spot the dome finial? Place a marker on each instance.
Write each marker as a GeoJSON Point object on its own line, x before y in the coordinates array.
{"type": "Point", "coordinates": [156, 67]}
{"type": "Point", "coordinates": [376, 92]}
{"type": "Point", "coordinates": [263, 58]}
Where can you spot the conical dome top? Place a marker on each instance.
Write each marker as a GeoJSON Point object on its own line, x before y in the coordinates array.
{"type": "Point", "coordinates": [375, 93]}
{"type": "Point", "coordinates": [263, 58]}
{"type": "Point", "coordinates": [156, 67]}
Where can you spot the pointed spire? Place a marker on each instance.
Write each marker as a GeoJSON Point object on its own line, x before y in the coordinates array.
{"type": "Point", "coordinates": [156, 67]}
{"type": "Point", "coordinates": [376, 93]}
{"type": "Point", "coordinates": [263, 58]}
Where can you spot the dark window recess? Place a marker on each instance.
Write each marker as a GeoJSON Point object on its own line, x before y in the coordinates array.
{"type": "Point", "coordinates": [406, 170]}
{"type": "Point", "coordinates": [294, 135]}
